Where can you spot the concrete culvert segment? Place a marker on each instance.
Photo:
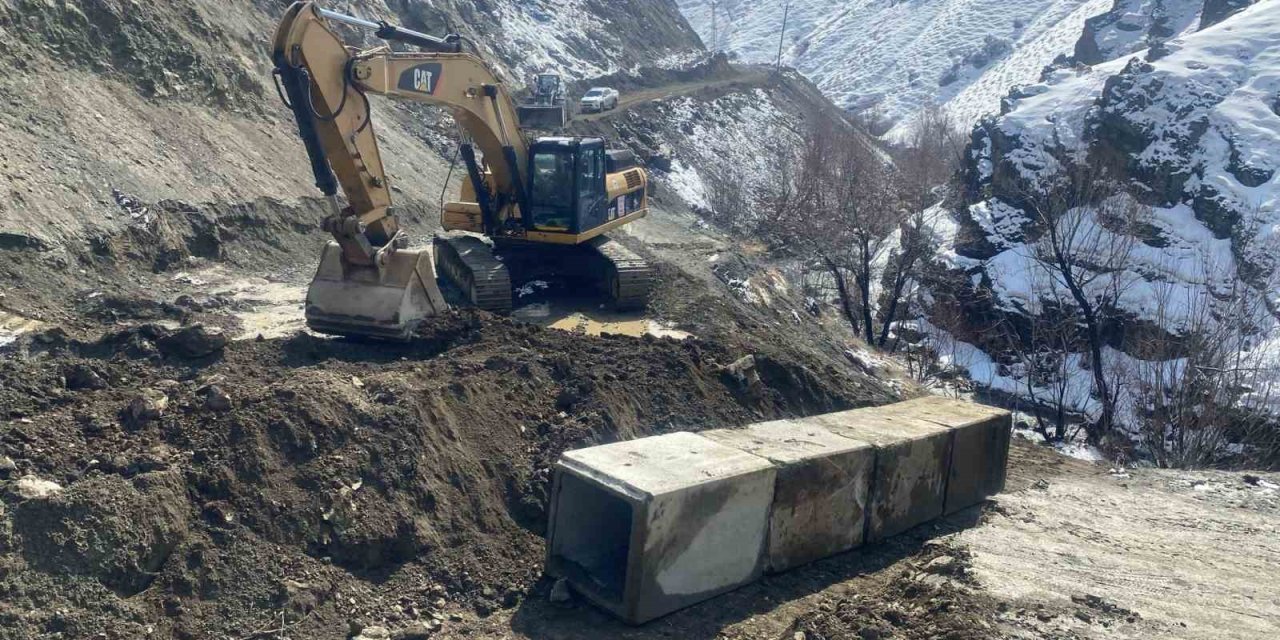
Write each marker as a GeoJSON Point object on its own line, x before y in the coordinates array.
{"type": "Point", "coordinates": [645, 527]}
{"type": "Point", "coordinates": [908, 486]}
{"type": "Point", "coordinates": [648, 526]}
{"type": "Point", "coordinates": [819, 502]}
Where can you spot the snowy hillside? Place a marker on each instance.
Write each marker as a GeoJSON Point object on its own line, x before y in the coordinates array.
{"type": "Point", "coordinates": [1196, 129]}
{"type": "Point", "coordinates": [1134, 25]}
{"type": "Point", "coordinates": [578, 38]}
{"type": "Point", "coordinates": [898, 57]}
{"type": "Point", "coordinates": [718, 143]}
{"type": "Point", "coordinates": [721, 145]}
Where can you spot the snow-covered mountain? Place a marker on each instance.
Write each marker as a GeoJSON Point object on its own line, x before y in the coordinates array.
{"type": "Point", "coordinates": [1133, 25]}
{"type": "Point", "coordinates": [898, 56]}
{"type": "Point", "coordinates": [1193, 127]}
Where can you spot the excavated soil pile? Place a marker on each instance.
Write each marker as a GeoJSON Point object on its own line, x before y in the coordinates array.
{"type": "Point", "coordinates": [931, 598]}
{"type": "Point", "coordinates": [169, 482]}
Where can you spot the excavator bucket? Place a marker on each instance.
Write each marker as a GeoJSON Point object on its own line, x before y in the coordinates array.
{"type": "Point", "coordinates": [542, 116]}
{"type": "Point", "coordinates": [367, 302]}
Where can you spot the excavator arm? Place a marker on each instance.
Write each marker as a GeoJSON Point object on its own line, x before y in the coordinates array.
{"type": "Point", "coordinates": [326, 83]}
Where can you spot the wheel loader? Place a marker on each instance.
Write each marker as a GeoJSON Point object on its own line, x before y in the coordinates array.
{"type": "Point", "coordinates": [545, 107]}
{"type": "Point", "coordinates": [533, 209]}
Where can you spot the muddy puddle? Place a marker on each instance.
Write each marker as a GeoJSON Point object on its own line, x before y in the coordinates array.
{"type": "Point", "coordinates": [593, 322]}
{"type": "Point", "coordinates": [274, 308]}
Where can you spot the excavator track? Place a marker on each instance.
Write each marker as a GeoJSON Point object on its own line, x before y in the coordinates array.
{"type": "Point", "coordinates": [628, 279]}
{"type": "Point", "coordinates": [470, 264]}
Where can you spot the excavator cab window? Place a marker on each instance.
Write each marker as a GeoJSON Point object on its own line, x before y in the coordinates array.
{"type": "Point", "coordinates": [591, 196]}
{"type": "Point", "coordinates": [551, 188]}
{"type": "Point", "coordinates": [566, 184]}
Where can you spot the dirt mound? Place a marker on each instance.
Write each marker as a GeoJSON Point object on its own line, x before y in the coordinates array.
{"type": "Point", "coordinates": [116, 530]}
{"type": "Point", "coordinates": [411, 479]}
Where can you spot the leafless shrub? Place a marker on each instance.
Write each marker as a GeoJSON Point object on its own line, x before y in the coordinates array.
{"type": "Point", "coordinates": [1213, 382]}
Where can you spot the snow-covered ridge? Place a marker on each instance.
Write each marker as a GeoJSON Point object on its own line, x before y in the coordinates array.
{"type": "Point", "coordinates": [1134, 25]}
{"type": "Point", "coordinates": [898, 57]}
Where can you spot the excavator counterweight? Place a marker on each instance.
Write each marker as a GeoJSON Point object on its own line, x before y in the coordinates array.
{"type": "Point", "coordinates": [544, 206]}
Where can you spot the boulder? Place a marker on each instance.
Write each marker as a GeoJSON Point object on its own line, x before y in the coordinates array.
{"type": "Point", "coordinates": [7, 467]}
{"type": "Point", "coordinates": [81, 376]}
{"type": "Point", "coordinates": [373, 633]}
{"type": "Point", "coordinates": [217, 399]}
{"type": "Point", "coordinates": [30, 487]}
{"type": "Point", "coordinates": [147, 406]}
{"type": "Point", "coordinates": [195, 341]}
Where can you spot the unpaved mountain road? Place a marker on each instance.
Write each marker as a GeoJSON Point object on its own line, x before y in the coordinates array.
{"type": "Point", "coordinates": [1195, 554]}
{"type": "Point", "coordinates": [750, 77]}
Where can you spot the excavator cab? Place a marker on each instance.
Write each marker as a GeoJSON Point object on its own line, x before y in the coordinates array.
{"type": "Point", "coordinates": [566, 185]}
{"type": "Point", "coordinates": [571, 181]}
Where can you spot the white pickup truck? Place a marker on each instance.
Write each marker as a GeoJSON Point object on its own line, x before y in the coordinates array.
{"type": "Point", "coordinates": [598, 99]}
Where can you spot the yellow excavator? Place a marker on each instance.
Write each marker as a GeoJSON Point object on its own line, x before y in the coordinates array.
{"type": "Point", "coordinates": [542, 207]}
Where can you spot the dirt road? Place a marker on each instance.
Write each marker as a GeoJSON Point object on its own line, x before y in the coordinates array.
{"type": "Point", "coordinates": [745, 78]}
{"type": "Point", "coordinates": [1194, 555]}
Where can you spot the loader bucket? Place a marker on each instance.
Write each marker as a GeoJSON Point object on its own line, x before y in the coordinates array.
{"type": "Point", "coordinates": [363, 302]}
{"type": "Point", "coordinates": [535, 116]}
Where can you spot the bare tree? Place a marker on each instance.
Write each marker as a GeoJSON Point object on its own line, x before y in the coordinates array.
{"type": "Point", "coordinates": [929, 157]}
{"type": "Point", "coordinates": [926, 161]}
{"type": "Point", "coordinates": [837, 214]}
{"type": "Point", "coordinates": [1042, 341]}
{"type": "Point", "coordinates": [915, 247]}
{"type": "Point", "coordinates": [1087, 234]}
{"type": "Point", "coordinates": [868, 211]}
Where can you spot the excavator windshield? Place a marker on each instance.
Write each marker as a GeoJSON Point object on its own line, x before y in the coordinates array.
{"type": "Point", "coordinates": [566, 184]}
{"type": "Point", "coordinates": [552, 188]}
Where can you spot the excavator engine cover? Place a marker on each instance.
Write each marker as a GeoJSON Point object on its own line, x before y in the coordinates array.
{"type": "Point", "coordinates": [364, 301]}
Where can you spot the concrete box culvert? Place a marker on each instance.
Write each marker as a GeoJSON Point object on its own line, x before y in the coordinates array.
{"type": "Point", "coordinates": [979, 450]}
{"type": "Point", "coordinates": [820, 499]}
{"type": "Point", "coordinates": [913, 457]}
{"type": "Point", "coordinates": [645, 527]}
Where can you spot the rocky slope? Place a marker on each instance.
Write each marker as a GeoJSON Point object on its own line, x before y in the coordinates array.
{"type": "Point", "coordinates": [1192, 125]}
{"type": "Point", "coordinates": [173, 144]}
{"type": "Point", "coordinates": [155, 100]}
